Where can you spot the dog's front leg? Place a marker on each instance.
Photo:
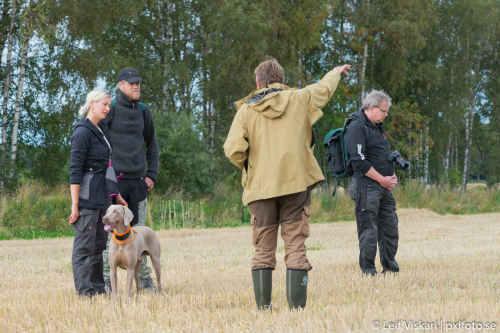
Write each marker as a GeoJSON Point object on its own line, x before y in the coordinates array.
{"type": "Point", "coordinates": [130, 279]}
{"type": "Point", "coordinates": [155, 260]}
{"type": "Point", "coordinates": [137, 276]}
{"type": "Point", "coordinates": [114, 285]}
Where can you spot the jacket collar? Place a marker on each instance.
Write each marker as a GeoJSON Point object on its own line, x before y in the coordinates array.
{"type": "Point", "coordinates": [266, 93]}
{"type": "Point", "coordinates": [123, 99]}
{"type": "Point", "coordinates": [262, 93]}
{"type": "Point", "coordinates": [277, 86]}
{"type": "Point", "coordinates": [367, 121]}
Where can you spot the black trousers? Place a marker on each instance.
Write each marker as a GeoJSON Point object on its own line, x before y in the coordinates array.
{"type": "Point", "coordinates": [377, 222]}
{"type": "Point", "coordinates": [90, 241]}
{"type": "Point", "coordinates": [133, 190]}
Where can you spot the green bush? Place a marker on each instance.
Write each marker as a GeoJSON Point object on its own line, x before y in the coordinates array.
{"type": "Point", "coordinates": [35, 212]}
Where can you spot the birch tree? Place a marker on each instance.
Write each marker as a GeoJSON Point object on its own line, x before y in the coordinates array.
{"type": "Point", "coordinates": [26, 35]}
{"type": "Point", "coordinates": [8, 75]}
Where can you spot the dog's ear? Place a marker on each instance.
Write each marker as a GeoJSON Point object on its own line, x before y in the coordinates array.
{"type": "Point", "coordinates": [128, 216]}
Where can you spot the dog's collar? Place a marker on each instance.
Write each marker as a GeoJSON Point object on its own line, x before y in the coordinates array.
{"type": "Point", "coordinates": [123, 238]}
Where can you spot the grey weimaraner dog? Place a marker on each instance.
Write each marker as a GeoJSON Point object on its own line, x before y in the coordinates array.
{"type": "Point", "coordinates": [128, 245]}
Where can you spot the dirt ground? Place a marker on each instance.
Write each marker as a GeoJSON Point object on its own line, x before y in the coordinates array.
{"type": "Point", "coordinates": [449, 282]}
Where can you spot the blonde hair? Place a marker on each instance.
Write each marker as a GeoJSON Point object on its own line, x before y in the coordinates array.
{"type": "Point", "coordinates": [93, 96]}
{"type": "Point", "coordinates": [269, 71]}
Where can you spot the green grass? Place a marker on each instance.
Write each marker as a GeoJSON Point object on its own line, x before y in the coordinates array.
{"type": "Point", "coordinates": [36, 211]}
{"type": "Point", "coordinates": [444, 200]}
{"type": "Point", "coordinates": [16, 233]}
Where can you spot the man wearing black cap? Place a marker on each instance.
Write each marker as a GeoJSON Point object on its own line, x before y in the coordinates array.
{"type": "Point", "coordinates": [131, 132]}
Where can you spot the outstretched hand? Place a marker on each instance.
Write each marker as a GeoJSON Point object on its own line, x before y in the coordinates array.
{"type": "Point", "coordinates": [343, 69]}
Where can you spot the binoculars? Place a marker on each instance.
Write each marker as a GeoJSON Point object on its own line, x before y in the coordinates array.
{"type": "Point", "coordinates": [395, 157]}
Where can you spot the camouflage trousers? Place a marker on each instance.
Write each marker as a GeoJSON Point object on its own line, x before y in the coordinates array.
{"type": "Point", "coordinates": [145, 272]}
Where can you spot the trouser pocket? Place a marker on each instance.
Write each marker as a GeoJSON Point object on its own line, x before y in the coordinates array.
{"type": "Point", "coordinates": [90, 236]}
{"type": "Point", "coordinates": [360, 194]}
{"type": "Point", "coordinates": [264, 240]}
{"type": "Point", "coordinates": [86, 221]}
{"type": "Point", "coordinates": [294, 235]}
{"type": "Point", "coordinates": [305, 221]}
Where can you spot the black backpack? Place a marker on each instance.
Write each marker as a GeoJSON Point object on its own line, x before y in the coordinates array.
{"type": "Point", "coordinates": [336, 154]}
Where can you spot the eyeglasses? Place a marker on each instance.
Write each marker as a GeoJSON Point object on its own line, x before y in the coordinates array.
{"type": "Point", "coordinates": [382, 110]}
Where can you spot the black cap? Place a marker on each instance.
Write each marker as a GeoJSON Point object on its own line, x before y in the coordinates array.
{"type": "Point", "coordinates": [131, 75]}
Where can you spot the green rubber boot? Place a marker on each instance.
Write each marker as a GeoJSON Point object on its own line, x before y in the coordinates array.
{"type": "Point", "coordinates": [262, 286]}
{"type": "Point", "coordinates": [296, 288]}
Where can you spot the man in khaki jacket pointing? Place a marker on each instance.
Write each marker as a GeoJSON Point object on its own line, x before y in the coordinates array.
{"type": "Point", "coordinates": [270, 141]}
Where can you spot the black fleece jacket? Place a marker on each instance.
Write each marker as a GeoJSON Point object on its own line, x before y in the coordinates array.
{"type": "Point", "coordinates": [89, 159]}
{"type": "Point", "coordinates": [367, 146]}
{"type": "Point", "coordinates": [129, 127]}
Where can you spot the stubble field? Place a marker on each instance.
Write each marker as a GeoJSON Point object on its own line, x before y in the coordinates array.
{"type": "Point", "coordinates": [449, 281]}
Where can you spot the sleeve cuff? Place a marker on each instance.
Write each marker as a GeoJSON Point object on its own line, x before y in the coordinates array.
{"type": "Point", "coordinates": [361, 166]}
{"type": "Point", "coordinates": [75, 181]}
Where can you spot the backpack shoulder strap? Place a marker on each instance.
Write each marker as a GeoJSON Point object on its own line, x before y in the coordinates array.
{"type": "Point", "coordinates": [144, 109]}
{"type": "Point", "coordinates": [146, 115]}
{"type": "Point", "coordinates": [347, 121]}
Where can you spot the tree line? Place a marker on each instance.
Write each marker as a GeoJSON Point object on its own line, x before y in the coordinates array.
{"type": "Point", "coordinates": [438, 59]}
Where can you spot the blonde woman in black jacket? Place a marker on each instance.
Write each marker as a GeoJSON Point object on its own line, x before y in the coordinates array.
{"type": "Point", "coordinates": [90, 193]}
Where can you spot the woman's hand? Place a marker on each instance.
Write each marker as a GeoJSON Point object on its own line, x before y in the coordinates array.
{"type": "Point", "coordinates": [75, 214]}
{"type": "Point", "coordinates": [121, 201]}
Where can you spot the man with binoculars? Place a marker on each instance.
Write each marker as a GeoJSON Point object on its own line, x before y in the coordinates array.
{"type": "Point", "coordinates": [373, 180]}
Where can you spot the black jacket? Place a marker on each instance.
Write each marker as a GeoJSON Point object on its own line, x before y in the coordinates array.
{"type": "Point", "coordinates": [129, 127]}
{"type": "Point", "coordinates": [367, 146]}
{"type": "Point", "coordinates": [89, 158]}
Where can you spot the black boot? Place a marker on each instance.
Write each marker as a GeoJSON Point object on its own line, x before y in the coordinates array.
{"type": "Point", "coordinates": [369, 272]}
{"type": "Point", "coordinates": [393, 270]}
{"type": "Point", "coordinates": [391, 267]}
{"type": "Point", "coordinates": [262, 286]}
{"type": "Point", "coordinates": [296, 288]}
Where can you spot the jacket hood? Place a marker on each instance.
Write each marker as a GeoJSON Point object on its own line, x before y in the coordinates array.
{"type": "Point", "coordinates": [360, 115]}
{"type": "Point", "coordinates": [267, 101]}
{"type": "Point", "coordinates": [86, 123]}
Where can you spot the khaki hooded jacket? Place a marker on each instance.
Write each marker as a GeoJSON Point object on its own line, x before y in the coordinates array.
{"type": "Point", "coordinates": [270, 138]}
